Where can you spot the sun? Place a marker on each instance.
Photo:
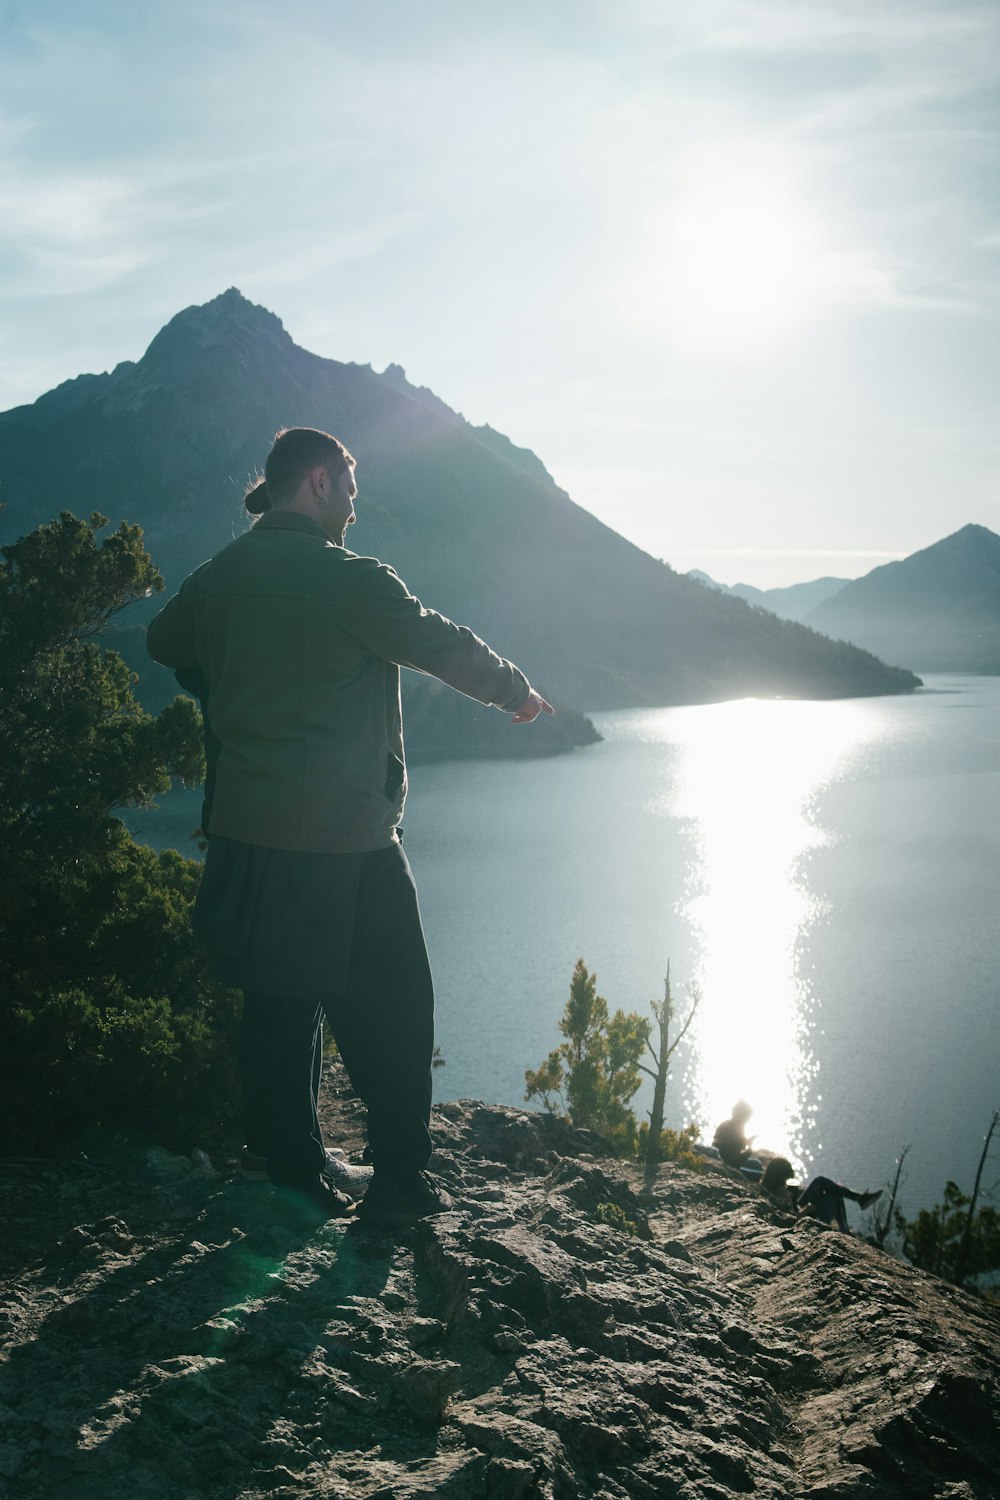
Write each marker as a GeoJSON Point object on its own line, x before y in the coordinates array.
{"type": "Point", "coordinates": [732, 260]}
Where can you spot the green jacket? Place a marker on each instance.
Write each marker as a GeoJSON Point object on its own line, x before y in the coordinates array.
{"type": "Point", "coordinates": [301, 642]}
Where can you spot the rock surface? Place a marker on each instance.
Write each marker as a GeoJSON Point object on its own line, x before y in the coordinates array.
{"type": "Point", "coordinates": [570, 1329]}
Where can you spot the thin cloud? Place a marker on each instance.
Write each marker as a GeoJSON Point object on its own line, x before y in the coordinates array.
{"type": "Point", "coordinates": [281, 266]}
{"type": "Point", "coordinates": [787, 25]}
{"type": "Point", "coordinates": [464, 198]}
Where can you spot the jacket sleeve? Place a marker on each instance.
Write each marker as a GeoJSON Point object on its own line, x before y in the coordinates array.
{"type": "Point", "coordinates": [170, 637]}
{"type": "Point", "coordinates": [391, 622]}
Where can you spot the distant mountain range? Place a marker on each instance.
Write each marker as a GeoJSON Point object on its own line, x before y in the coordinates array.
{"type": "Point", "coordinates": [792, 603]}
{"type": "Point", "coordinates": [475, 525]}
{"type": "Point", "coordinates": [935, 611]}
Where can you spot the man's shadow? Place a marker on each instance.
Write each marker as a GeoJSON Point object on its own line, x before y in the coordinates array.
{"type": "Point", "coordinates": [179, 1372]}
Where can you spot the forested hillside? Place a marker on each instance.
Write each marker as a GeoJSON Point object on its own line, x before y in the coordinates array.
{"type": "Point", "coordinates": [475, 525]}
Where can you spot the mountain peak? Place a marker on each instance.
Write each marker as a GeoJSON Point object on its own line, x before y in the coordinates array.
{"type": "Point", "coordinates": [167, 442]}
{"type": "Point", "coordinates": [938, 609]}
{"type": "Point", "coordinates": [972, 546]}
{"type": "Point", "coordinates": [222, 342]}
{"type": "Point", "coordinates": [969, 535]}
{"type": "Point", "coordinates": [227, 319]}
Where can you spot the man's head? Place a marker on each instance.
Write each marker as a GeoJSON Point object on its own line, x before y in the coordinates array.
{"type": "Point", "coordinates": [311, 472]}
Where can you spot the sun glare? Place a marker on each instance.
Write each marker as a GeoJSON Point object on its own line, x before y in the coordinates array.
{"type": "Point", "coordinates": [746, 786]}
{"type": "Point", "coordinates": [732, 260]}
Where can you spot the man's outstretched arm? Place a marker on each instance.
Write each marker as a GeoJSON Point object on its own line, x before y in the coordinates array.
{"type": "Point", "coordinates": [393, 623]}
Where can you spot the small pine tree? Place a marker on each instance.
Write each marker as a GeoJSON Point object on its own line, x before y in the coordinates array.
{"type": "Point", "coordinates": [596, 1069]}
{"type": "Point", "coordinates": [677, 1146]}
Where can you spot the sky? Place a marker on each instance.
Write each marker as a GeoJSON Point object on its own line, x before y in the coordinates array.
{"type": "Point", "coordinates": [730, 268]}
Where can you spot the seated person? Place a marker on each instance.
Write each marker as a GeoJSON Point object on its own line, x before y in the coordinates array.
{"type": "Point", "coordinates": [822, 1197]}
{"type": "Point", "coordinates": [731, 1140]}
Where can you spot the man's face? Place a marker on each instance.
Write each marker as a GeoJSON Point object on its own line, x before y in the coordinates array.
{"type": "Point", "coordinates": [339, 513]}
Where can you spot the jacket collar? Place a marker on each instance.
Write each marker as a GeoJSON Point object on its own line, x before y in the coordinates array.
{"type": "Point", "coordinates": [290, 520]}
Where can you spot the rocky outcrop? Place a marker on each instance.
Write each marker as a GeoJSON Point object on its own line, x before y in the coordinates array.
{"type": "Point", "coordinates": [570, 1329]}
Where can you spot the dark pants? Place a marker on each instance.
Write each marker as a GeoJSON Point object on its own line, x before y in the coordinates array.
{"type": "Point", "coordinates": [381, 1016]}
{"type": "Point", "coordinates": [825, 1200]}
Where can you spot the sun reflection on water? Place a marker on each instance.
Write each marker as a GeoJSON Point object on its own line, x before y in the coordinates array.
{"type": "Point", "coordinates": [746, 784]}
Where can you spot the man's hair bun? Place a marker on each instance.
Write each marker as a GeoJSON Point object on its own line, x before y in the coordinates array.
{"type": "Point", "coordinates": [257, 500]}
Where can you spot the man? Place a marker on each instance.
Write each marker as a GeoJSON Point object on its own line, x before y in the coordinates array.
{"type": "Point", "coordinates": [307, 901]}
{"type": "Point", "coordinates": [731, 1140]}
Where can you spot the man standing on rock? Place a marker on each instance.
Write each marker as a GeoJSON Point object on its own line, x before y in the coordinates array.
{"type": "Point", "coordinates": [307, 901]}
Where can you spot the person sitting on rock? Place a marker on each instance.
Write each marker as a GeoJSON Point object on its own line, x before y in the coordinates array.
{"type": "Point", "coordinates": [731, 1140]}
{"type": "Point", "coordinates": [822, 1198]}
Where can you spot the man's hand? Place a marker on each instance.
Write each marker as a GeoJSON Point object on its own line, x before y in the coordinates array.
{"type": "Point", "coordinates": [535, 705]}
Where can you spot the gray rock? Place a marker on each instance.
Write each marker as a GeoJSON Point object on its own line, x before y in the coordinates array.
{"type": "Point", "coordinates": [523, 1347]}
{"type": "Point", "coordinates": [426, 1385]}
{"type": "Point", "coordinates": [509, 1479]}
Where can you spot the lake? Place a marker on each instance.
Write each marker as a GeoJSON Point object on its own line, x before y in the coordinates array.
{"type": "Point", "coordinates": [825, 873]}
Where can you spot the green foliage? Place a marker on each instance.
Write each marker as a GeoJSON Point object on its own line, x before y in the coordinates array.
{"type": "Point", "coordinates": [108, 1014]}
{"type": "Point", "coordinates": [675, 1145]}
{"type": "Point", "coordinates": [942, 1239]}
{"type": "Point", "coordinates": [616, 1218]}
{"type": "Point", "coordinates": [74, 744]}
{"type": "Point", "coordinates": [596, 1069]}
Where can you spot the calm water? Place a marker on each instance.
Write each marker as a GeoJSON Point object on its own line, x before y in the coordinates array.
{"type": "Point", "coordinates": [825, 872]}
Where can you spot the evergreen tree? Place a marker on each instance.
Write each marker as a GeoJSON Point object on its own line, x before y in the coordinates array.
{"type": "Point", "coordinates": [944, 1241]}
{"type": "Point", "coordinates": [596, 1067]}
{"type": "Point", "coordinates": [107, 1012]}
{"type": "Point", "coordinates": [958, 1239]}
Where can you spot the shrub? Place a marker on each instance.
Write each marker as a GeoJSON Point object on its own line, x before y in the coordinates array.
{"type": "Point", "coordinates": [596, 1067]}
{"type": "Point", "coordinates": [108, 1013]}
{"type": "Point", "coordinates": [675, 1145]}
{"type": "Point", "coordinates": [615, 1217]}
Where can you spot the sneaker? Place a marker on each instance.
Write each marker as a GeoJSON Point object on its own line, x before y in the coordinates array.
{"type": "Point", "coordinates": [338, 1169]}
{"type": "Point", "coordinates": [396, 1203]}
{"type": "Point", "coordinates": [867, 1199]}
{"type": "Point", "coordinates": [317, 1198]}
{"type": "Point", "coordinates": [345, 1174]}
